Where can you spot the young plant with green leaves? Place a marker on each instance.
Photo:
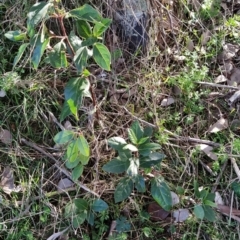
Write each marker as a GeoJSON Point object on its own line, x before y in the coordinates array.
{"type": "Point", "coordinates": [134, 156]}
{"type": "Point", "coordinates": [82, 210]}
{"type": "Point", "coordinates": [204, 207]}
{"type": "Point", "coordinates": [82, 43]}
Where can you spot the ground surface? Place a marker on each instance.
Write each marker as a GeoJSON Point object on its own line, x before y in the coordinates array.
{"type": "Point", "coordinates": [184, 88]}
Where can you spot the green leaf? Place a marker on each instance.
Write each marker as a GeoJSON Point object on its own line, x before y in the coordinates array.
{"type": "Point", "coordinates": [75, 89]}
{"type": "Point", "coordinates": [75, 41]}
{"type": "Point", "coordinates": [63, 137]}
{"type": "Point", "coordinates": [70, 210]}
{"type": "Point", "coordinates": [57, 57]}
{"type": "Point", "coordinates": [101, 27]}
{"type": "Point", "coordinates": [39, 48]}
{"type": "Point", "coordinates": [90, 218]}
{"type": "Point", "coordinates": [236, 188]}
{"type": "Point", "coordinates": [209, 213]}
{"type": "Point", "coordinates": [161, 193]}
{"type": "Point", "coordinates": [89, 42]}
{"type": "Point", "coordinates": [199, 211]}
{"type": "Point", "coordinates": [143, 140]}
{"type": "Point", "coordinates": [211, 197]}
{"type": "Point", "coordinates": [71, 165]}
{"type": "Point", "coordinates": [145, 148]}
{"type": "Point", "coordinates": [72, 151]}
{"type": "Point", "coordinates": [81, 204]}
{"type": "Point", "coordinates": [21, 50]}
{"type": "Point", "coordinates": [209, 203]}
{"type": "Point", "coordinates": [123, 189]}
{"type": "Point", "coordinates": [99, 205]}
{"type": "Point", "coordinates": [102, 56]}
{"type": "Point", "coordinates": [16, 35]}
{"type": "Point", "coordinates": [79, 219]}
{"type": "Point", "coordinates": [77, 172]}
{"type": "Point", "coordinates": [140, 183]}
{"type": "Point", "coordinates": [65, 111]}
{"type": "Point", "coordinates": [80, 59]}
{"type": "Point", "coordinates": [83, 28]}
{"type": "Point", "coordinates": [117, 143]}
{"type": "Point", "coordinates": [116, 166]}
{"type": "Point", "coordinates": [196, 189]}
{"type": "Point", "coordinates": [86, 12]}
{"type": "Point", "coordinates": [135, 132]}
{"type": "Point", "coordinates": [37, 12]}
{"type": "Point", "coordinates": [122, 225]}
{"type": "Point", "coordinates": [73, 108]}
{"type": "Point", "coordinates": [130, 147]}
{"type": "Point", "coordinates": [133, 167]}
{"type": "Point", "coordinates": [152, 160]}
{"type": "Point", "coordinates": [83, 159]}
{"type": "Point", "coordinates": [147, 132]}
{"type": "Point", "coordinates": [203, 194]}
{"type": "Point", "coordinates": [83, 146]}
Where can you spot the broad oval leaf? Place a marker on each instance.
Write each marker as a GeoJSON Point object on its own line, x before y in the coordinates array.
{"type": "Point", "coordinates": [101, 27]}
{"type": "Point", "coordinates": [80, 59]}
{"type": "Point", "coordinates": [75, 41]}
{"type": "Point", "coordinates": [16, 35]}
{"type": "Point", "coordinates": [77, 172]}
{"type": "Point", "coordinates": [58, 57]}
{"type": "Point", "coordinates": [161, 193]}
{"type": "Point", "coordinates": [72, 151]}
{"type": "Point", "coordinates": [86, 12]}
{"type": "Point", "coordinates": [63, 137]}
{"type": "Point", "coordinates": [198, 211]}
{"type": "Point", "coordinates": [90, 218]}
{"type": "Point", "coordinates": [131, 147]}
{"type": "Point", "coordinates": [81, 204]}
{"type": "Point", "coordinates": [102, 56]}
{"type": "Point", "coordinates": [21, 50]}
{"type": "Point", "coordinates": [140, 183]}
{"type": "Point", "coordinates": [117, 143]}
{"type": "Point", "coordinates": [116, 166]}
{"type": "Point", "coordinates": [73, 164]}
{"type": "Point", "coordinates": [209, 213]}
{"type": "Point", "coordinates": [37, 12]}
{"type": "Point", "coordinates": [83, 146]}
{"type": "Point", "coordinates": [133, 167]}
{"type": "Point", "coordinates": [152, 160]}
{"type": "Point", "coordinates": [39, 48]}
{"type": "Point", "coordinates": [99, 205]}
{"type": "Point", "coordinates": [79, 219]}
{"type": "Point", "coordinates": [146, 148]}
{"type": "Point", "coordinates": [83, 28]}
{"type": "Point", "coordinates": [135, 132]}
{"type": "Point", "coordinates": [123, 189]}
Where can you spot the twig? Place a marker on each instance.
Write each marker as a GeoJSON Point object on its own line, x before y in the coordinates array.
{"type": "Point", "coordinates": [57, 164]}
{"type": "Point", "coordinates": [219, 177]}
{"type": "Point", "coordinates": [235, 166]}
{"type": "Point", "coordinates": [54, 119]}
{"type": "Point", "coordinates": [218, 85]}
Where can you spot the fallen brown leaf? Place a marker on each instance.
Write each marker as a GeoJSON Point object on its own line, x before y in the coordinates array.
{"type": "Point", "coordinates": [156, 212]}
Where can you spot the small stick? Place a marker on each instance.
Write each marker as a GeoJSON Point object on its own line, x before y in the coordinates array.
{"type": "Point", "coordinates": [218, 85]}
{"type": "Point", "coordinates": [61, 169]}
{"type": "Point", "coordinates": [214, 188]}
{"type": "Point", "coordinates": [235, 166]}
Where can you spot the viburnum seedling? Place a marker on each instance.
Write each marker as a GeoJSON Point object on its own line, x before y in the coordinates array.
{"type": "Point", "coordinates": [139, 154]}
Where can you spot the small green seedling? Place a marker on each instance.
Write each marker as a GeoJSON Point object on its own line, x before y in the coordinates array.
{"type": "Point", "coordinates": [139, 154]}
{"type": "Point", "coordinates": [204, 208]}
{"type": "Point", "coordinates": [82, 210]}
